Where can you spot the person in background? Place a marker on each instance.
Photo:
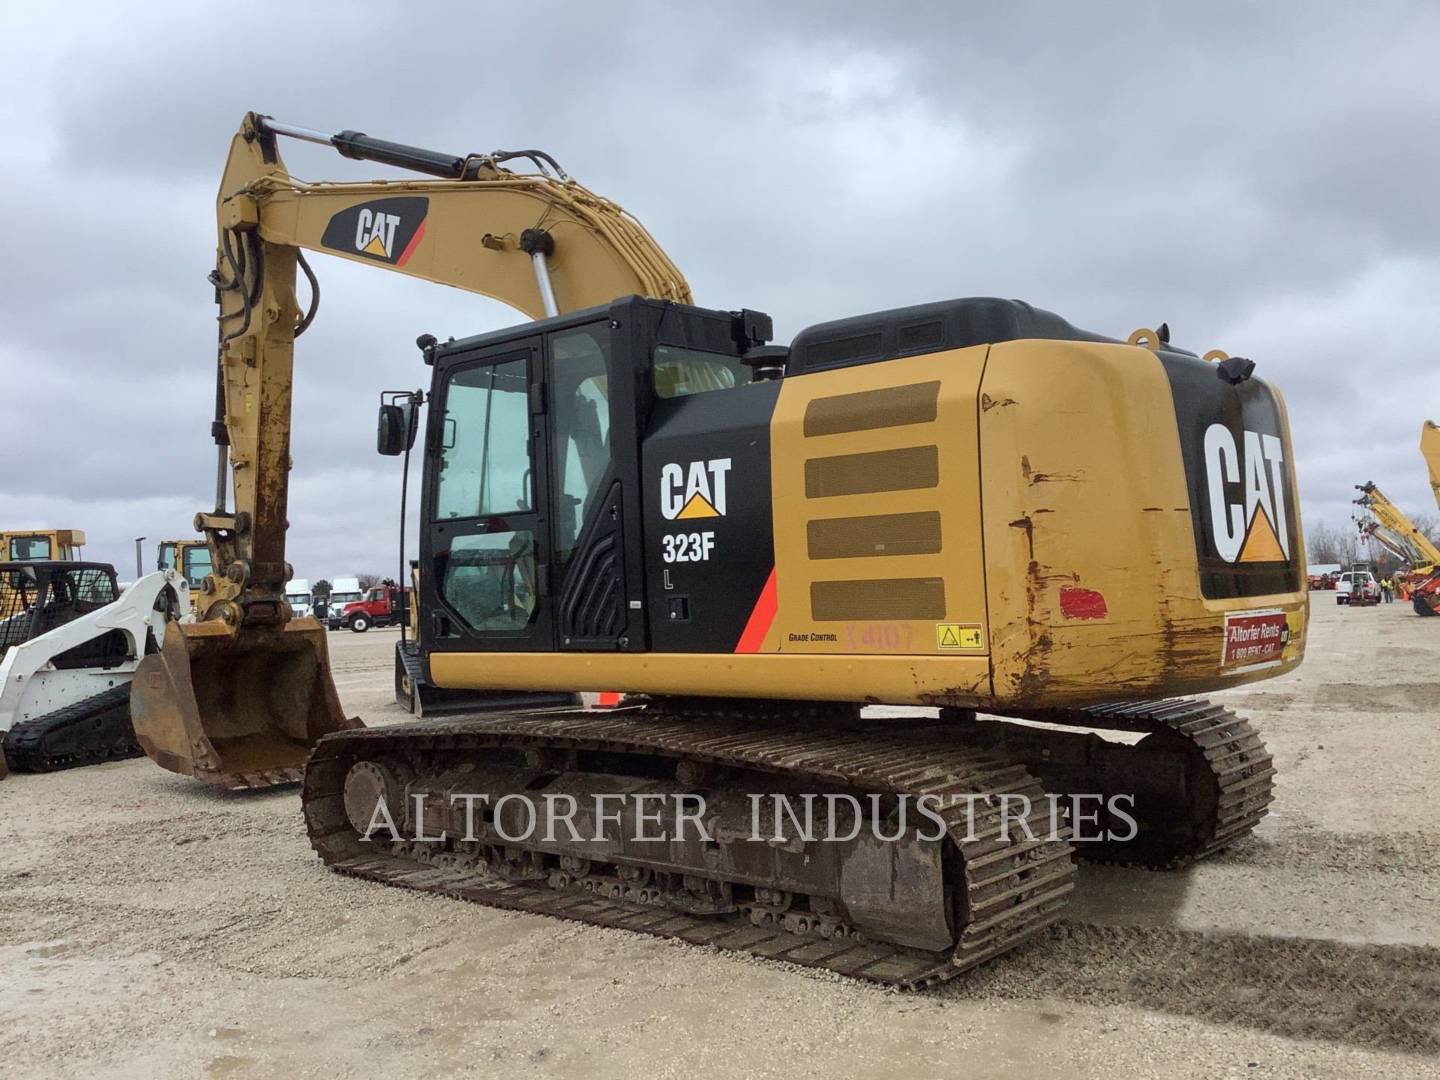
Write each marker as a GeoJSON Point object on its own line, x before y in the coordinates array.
{"type": "Point", "coordinates": [1387, 589]}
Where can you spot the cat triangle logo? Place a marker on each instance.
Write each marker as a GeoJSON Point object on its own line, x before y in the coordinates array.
{"type": "Point", "coordinates": [694, 490]}
{"type": "Point", "coordinates": [376, 247]}
{"type": "Point", "coordinates": [697, 507]}
{"type": "Point", "coordinates": [1261, 544]}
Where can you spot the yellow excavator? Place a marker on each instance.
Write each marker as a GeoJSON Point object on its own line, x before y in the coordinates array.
{"type": "Point", "coordinates": [1041, 539]}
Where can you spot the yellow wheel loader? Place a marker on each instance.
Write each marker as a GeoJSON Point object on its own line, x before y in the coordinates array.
{"type": "Point", "coordinates": [1042, 540]}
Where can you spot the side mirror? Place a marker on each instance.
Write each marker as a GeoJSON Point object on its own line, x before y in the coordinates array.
{"type": "Point", "coordinates": [395, 432]}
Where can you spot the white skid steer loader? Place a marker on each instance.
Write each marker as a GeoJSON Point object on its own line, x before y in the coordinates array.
{"type": "Point", "coordinates": [70, 642]}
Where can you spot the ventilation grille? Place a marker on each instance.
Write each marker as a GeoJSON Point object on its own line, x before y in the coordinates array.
{"type": "Point", "coordinates": [846, 350]}
{"type": "Point", "coordinates": [927, 335]}
{"type": "Point", "coordinates": [874, 535]}
{"type": "Point", "coordinates": [885, 598]}
{"type": "Point", "coordinates": [882, 470]}
{"type": "Point", "coordinates": [891, 406]}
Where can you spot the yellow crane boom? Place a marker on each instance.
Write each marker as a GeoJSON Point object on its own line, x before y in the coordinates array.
{"type": "Point", "coordinates": [1392, 519]}
{"type": "Point", "coordinates": [1430, 450]}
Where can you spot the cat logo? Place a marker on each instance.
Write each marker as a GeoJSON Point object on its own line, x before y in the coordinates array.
{"type": "Point", "coordinates": [693, 491]}
{"type": "Point", "coordinates": [375, 232]}
{"type": "Point", "coordinates": [1252, 528]}
{"type": "Point", "coordinates": [384, 230]}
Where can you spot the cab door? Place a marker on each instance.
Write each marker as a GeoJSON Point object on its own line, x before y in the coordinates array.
{"type": "Point", "coordinates": [591, 418]}
{"type": "Point", "coordinates": [486, 549]}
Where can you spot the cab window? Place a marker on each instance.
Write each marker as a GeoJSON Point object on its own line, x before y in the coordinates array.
{"type": "Point", "coordinates": [580, 427]}
{"type": "Point", "coordinates": [485, 445]}
{"type": "Point", "coordinates": [29, 548]}
{"type": "Point", "coordinates": [197, 564]}
{"type": "Point", "coordinates": [490, 580]}
{"type": "Point", "coordinates": [679, 372]}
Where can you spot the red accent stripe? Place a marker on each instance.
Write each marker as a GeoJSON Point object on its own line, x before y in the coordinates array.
{"type": "Point", "coordinates": [760, 619]}
{"type": "Point", "coordinates": [412, 245]}
{"type": "Point", "coordinates": [608, 699]}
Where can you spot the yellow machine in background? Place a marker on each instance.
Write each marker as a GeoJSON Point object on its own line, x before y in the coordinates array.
{"type": "Point", "coordinates": [36, 545]}
{"type": "Point", "coordinates": [1430, 451]}
{"type": "Point", "coordinates": [191, 560]}
{"type": "Point", "coordinates": [1396, 532]}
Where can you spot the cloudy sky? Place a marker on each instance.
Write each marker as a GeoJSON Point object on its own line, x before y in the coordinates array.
{"type": "Point", "coordinates": [1260, 175]}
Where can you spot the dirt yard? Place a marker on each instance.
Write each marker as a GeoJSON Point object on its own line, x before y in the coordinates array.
{"type": "Point", "coordinates": [151, 927]}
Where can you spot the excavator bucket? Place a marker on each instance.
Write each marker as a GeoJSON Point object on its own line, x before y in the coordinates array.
{"type": "Point", "coordinates": [238, 709]}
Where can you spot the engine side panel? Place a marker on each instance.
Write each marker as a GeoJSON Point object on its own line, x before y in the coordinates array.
{"type": "Point", "coordinates": [877, 487]}
{"type": "Point", "coordinates": [1094, 575]}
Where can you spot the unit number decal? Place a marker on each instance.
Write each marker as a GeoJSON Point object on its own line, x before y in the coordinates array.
{"type": "Point", "coordinates": [688, 547]}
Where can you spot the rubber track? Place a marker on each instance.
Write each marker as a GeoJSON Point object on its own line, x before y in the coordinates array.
{"type": "Point", "coordinates": [114, 738]}
{"type": "Point", "coordinates": [1241, 767]}
{"type": "Point", "coordinates": [1015, 887]}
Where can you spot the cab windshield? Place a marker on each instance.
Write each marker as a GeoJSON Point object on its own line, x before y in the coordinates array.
{"type": "Point", "coordinates": [29, 548]}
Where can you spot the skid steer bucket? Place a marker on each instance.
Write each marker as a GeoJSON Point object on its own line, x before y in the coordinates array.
{"type": "Point", "coordinates": [237, 709]}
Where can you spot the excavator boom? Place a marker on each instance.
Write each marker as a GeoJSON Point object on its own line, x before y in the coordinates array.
{"type": "Point", "coordinates": [239, 698]}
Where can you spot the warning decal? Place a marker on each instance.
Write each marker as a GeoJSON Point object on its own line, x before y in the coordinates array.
{"type": "Point", "coordinates": [949, 635]}
{"type": "Point", "coordinates": [1254, 638]}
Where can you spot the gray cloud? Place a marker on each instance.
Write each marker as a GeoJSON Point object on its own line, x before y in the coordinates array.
{"type": "Point", "coordinates": [1259, 175]}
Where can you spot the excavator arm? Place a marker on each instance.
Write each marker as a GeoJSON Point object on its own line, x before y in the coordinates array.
{"type": "Point", "coordinates": [239, 698]}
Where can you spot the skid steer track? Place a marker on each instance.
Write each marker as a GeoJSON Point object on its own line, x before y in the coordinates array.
{"type": "Point", "coordinates": [1001, 887]}
{"type": "Point", "coordinates": [90, 731]}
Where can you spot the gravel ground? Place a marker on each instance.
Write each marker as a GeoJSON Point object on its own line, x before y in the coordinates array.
{"type": "Point", "coordinates": [152, 927]}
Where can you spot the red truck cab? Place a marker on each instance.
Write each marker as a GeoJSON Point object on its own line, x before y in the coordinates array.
{"type": "Point", "coordinates": [382, 605]}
